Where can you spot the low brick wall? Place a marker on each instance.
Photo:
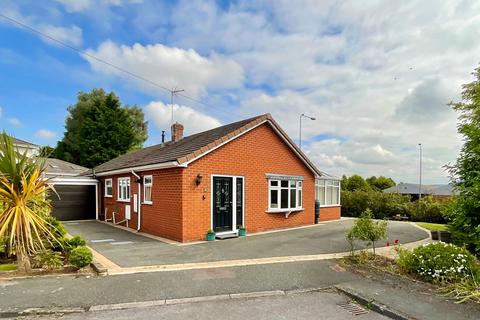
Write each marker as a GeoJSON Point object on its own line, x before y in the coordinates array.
{"type": "Point", "coordinates": [329, 213]}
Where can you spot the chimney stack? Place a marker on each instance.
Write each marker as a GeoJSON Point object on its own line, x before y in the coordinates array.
{"type": "Point", "coordinates": [177, 131]}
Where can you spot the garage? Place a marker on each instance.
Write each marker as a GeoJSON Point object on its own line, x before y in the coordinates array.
{"type": "Point", "coordinates": [76, 188]}
{"type": "Point", "coordinates": [75, 202]}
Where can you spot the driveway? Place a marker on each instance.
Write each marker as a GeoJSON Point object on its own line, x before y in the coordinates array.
{"type": "Point", "coordinates": [127, 249]}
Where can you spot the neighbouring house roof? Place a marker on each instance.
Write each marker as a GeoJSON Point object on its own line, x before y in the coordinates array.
{"type": "Point", "coordinates": [192, 147]}
{"type": "Point", "coordinates": [59, 168]}
{"type": "Point", "coordinates": [412, 188]}
{"type": "Point", "coordinates": [23, 143]}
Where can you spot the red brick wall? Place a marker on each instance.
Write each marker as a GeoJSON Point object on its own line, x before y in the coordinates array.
{"type": "Point", "coordinates": [252, 155]}
{"type": "Point", "coordinates": [164, 216]}
{"type": "Point", "coordinates": [329, 213]}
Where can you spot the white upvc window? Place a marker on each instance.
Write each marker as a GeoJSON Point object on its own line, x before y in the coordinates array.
{"type": "Point", "coordinates": [327, 192]}
{"type": "Point", "coordinates": [124, 189]}
{"type": "Point", "coordinates": [284, 195]}
{"type": "Point", "coordinates": [108, 188]}
{"type": "Point", "coordinates": [147, 189]}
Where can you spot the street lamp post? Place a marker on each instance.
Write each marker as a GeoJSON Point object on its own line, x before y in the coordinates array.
{"type": "Point", "coordinates": [303, 115]}
{"type": "Point", "coordinates": [420, 175]}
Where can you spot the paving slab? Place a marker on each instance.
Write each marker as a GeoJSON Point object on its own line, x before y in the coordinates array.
{"type": "Point", "coordinates": [128, 249]}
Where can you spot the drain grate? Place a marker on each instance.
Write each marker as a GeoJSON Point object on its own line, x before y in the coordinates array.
{"type": "Point", "coordinates": [353, 308]}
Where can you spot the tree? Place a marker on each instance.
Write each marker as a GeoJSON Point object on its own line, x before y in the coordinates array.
{"type": "Point", "coordinates": [380, 183]}
{"type": "Point", "coordinates": [22, 192]}
{"type": "Point", "coordinates": [368, 230]}
{"type": "Point", "coordinates": [465, 173]}
{"type": "Point", "coordinates": [355, 183]}
{"type": "Point", "coordinates": [99, 129]}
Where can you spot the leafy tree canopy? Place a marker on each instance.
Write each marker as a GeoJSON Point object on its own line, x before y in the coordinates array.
{"type": "Point", "coordinates": [357, 183]}
{"type": "Point", "coordinates": [354, 183]}
{"type": "Point", "coordinates": [380, 183]}
{"type": "Point", "coordinates": [99, 128]}
{"type": "Point", "coordinates": [465, 173]}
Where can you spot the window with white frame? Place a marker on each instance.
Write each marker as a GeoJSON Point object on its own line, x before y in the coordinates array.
{"type": "Point", "coordinates": [147, 189]}
{"type": "Point", "coordinates": [327, 192]}
{"type": "Point", "coordinates": [124, 189]}
{"type": "Point", "coordinates": [284, 194]}
{"type": "Point", "coordinates": [108, 188]}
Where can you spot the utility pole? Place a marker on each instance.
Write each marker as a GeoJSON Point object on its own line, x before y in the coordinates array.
{"type": "Point", "coordinates": [174, 92]}
{"type": "Point", "coordinates": [420, 185]}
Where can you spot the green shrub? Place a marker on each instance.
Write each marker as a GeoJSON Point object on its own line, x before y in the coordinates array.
{"type": "Point", "coordinates": [428, 210]}
{"type": "Point", "coordinates": [56, 227]}
{"type": "Point", "coordinates": [439, 262]}
{"type": "Point", "coordinates": [75, 242]}
{"type": "Point", "coordinates": [48, 259]}
{"type": "Point", "coordinates": [388, 205]}
{"type": "Point", "coordinates": [80, 257]}
{"type": "Point", "coordinates": [383, 205]}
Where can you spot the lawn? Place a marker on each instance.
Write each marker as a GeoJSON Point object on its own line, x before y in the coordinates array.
{"type": "Point", "coordinates": [7, 267]}
{"type": "Point", "coordinates": [432, 226]}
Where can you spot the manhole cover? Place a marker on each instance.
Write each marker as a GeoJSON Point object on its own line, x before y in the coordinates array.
{"type": "Point", "coordinates": [353, 308]}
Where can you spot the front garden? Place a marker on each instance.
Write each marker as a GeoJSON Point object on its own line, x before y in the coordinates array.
{"type": "Point", "coordinates": [32, 241]}
{"type": "Point", "coordinates": [452, 270]}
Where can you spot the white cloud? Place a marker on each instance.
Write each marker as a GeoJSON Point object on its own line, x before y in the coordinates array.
{"type": "Point", "coordinates": [45, 134]}
{"type": "Point", "coordinates": [169, 66]}
{"type": "Point", "coordinates": [15, 122]}
{"type": "Point", "coordinates": [69, 34]}
{"type": "Point", "coordinates": [192, 120]}
{"type": "Point", "coordinates": [83, 5]}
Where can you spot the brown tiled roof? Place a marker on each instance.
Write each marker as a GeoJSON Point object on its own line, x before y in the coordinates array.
{"type": "Point", "coordinates": [191, 146]}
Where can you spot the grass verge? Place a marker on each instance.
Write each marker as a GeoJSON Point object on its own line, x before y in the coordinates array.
{"type": "Point", "coordinates": [432, 226]}
{"type": "Point", "coordinates": [8, 267]}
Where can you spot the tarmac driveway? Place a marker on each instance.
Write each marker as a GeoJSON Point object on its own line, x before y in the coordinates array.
{"type": "Point", "coordinates": [127, 249]}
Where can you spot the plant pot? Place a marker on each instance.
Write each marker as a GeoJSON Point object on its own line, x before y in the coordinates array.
{"type": "Point", "coordinates": [210, 236]}
{"type": "Point", "coordinates": [435, 235]}
{"type": "Point", "coordinates": [445, 236]}
{"type": "Point", "coordinates": [242, 232]}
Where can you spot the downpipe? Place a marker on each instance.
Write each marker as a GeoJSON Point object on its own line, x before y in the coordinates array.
{"type": "Point", "coordinates": [138, 200]}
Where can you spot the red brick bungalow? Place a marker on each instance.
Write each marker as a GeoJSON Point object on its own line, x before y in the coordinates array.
{"type": "Point", "coordinates": [246, 173]}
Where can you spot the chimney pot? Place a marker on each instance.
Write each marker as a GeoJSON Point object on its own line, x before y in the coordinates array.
{"type": "Point", "coordinates": [177, 131]}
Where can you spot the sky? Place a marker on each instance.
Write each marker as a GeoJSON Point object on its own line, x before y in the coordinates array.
{"type": "Point", "coordinates": [376, 75]}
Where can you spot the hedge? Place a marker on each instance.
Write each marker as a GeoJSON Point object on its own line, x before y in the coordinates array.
{"type": "Point", "coordinates": [387, 205]}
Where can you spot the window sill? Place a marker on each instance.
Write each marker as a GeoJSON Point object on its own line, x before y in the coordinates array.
{"type": "Point", "coordinates": [119, 200]}
{"type": "Point", "coordinates": [107, 196]}
{"type": "Point", "coordinates": [284, 210]}
{"type": "Point", "coordinates": [147, 202]}
{"type": "Point", "coordinates": [329, 205]}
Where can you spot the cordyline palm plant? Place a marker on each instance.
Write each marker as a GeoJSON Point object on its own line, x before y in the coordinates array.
{"type": "Point", "coordinates": [22, 189]}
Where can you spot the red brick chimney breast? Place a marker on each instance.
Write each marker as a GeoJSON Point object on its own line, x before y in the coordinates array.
{"type": "Point", "coordinates": [177, 131]}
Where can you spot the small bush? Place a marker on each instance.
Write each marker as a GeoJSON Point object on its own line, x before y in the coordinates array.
{"type": "Point", "coordinates": [364, 228]}
{"type": "Point", "coordinates": [56, 227]}
{"type": "Point", "coordinates": [80, 257]}
{"type": "Point", "coordinates": [75, 242]}
{"type": "Point", "coordinates": [48, 259]}
{"type": "Point", "coordinates": [439, 262]}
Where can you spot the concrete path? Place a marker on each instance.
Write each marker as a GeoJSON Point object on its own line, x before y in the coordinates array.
{"type": "Point", "coordinates": [129, 250]}
{"type": "Point", "coordinates": [314, 305]}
